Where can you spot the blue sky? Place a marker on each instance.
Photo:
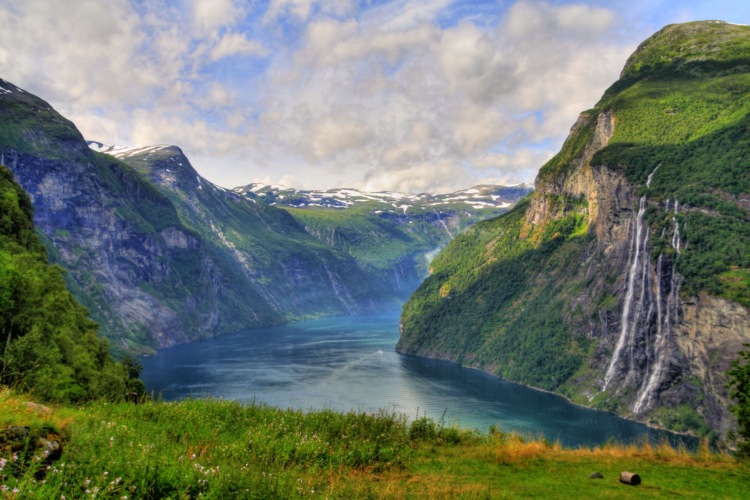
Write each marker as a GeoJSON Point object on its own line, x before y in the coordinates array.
{"type": "Point", "coordinates": [432, 95]}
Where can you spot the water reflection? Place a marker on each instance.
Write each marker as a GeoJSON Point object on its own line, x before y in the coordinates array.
{"type": "Point", "coordinates": [349, 363]}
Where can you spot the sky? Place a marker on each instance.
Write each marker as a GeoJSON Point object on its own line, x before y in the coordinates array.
{"type": "Point", "coordinates": [403, 95]}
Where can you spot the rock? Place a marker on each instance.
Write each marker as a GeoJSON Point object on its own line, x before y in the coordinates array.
{"type": "Point", "coordinates": [596, 475]}
{"type": "Point", "coordinates": [41, 409]}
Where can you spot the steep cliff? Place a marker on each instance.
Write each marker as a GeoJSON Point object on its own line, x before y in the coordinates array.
{"type": "Point", "coordinates": [147, 278]}
{"type": "Point", "coordinates": [296, 275]}
{"type": "Point", "coordinates": [623, 282]}
{"type": "Point", "coordinates": [50, 346]}
{"type": "Point", "coordinates": [158, 255]}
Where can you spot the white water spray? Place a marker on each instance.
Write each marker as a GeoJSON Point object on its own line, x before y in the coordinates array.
{"type": "Point", "coordinates": [676, 235]}
{"type": "Point", "coordinates": [664, 332]}
{"type": "Point", "coordinates": [626, 332]}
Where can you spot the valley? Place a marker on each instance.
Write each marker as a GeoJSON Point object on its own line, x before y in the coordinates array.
{"type": "Point", "coordinates": [506, 340]}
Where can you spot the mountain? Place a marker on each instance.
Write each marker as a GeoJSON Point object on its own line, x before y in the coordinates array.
{"type": "Point", "coordinates": [295, 274]}
{"type": "Point", "coordinates": [154, 265]}
{"type": "Point", "coordinates": [483, 199]}
{"type": "Point", "coordinates": [373, 247]}
{"type": "Point", "coordinates": [623, 282]}
{"type": "Point", "coordinates": [392, 236]}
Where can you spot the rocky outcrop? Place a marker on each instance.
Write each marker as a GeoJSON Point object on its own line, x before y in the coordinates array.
{"type": "Point", "coordinates": [711, 332]}
{"type": "Point", "coordinates": [657, 348]}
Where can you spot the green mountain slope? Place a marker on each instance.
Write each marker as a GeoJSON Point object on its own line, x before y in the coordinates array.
{"type": "Point", "coordinates": [147, 279]}
{"type": "Point", "coordinates": [294, 273]}
{"type": "Point", "coordinates": [49, 343]}
{"type": "Point", "coordinates": [392, 236]}
{"type": "Point", "coordinates": [369, 248]}
{"type": "Point", "coordinates": [622, 282]}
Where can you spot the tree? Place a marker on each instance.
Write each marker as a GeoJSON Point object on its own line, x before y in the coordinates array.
{"type": "Point", "coordinates": [739, 390]}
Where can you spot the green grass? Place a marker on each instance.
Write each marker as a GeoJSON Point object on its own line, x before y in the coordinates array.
{"type": "Point", "coordinates": [223, 449]}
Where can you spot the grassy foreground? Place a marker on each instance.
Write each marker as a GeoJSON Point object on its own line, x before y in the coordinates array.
{"type": "Point", "coordinates": [222, 449]}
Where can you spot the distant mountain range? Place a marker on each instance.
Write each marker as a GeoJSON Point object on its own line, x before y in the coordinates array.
{"type": "Point", "coordinates": [481, 197]}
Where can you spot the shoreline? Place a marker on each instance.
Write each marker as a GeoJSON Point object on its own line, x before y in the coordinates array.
{"type": "Point", "coordinates": [566, 398]}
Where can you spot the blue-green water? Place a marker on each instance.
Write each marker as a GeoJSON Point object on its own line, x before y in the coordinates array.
{"type": "Point", "coordinates": [349, 363]}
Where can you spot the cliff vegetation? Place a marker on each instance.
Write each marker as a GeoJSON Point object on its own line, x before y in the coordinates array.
{"type": "Point", "coordinates": [622, 282]}
{"type": "Point", "coordinates": [50, 345]}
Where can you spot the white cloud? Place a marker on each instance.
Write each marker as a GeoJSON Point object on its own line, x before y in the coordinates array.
{"type": "Point", "coordinates": [386, 96]}
{"type": "Point", "coordinates": [232, 44]}
{"type": "Point", "coordinates": [301, 9]}
{"type": "Point", "coordinates": [470, 88]}
{"type": "Point", "coordinates": [209, 15]}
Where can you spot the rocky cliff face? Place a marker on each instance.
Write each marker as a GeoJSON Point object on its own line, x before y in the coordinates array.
{"type": "Point", "coordinates": [638, 238]}
{"type": "Point", "coordinates": [147, 278]}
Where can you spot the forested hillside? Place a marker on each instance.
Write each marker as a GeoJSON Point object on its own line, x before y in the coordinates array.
{"type": "Point", "coordinates": [623, 281]}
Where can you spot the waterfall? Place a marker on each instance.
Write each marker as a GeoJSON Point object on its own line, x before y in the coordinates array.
{"type": "Point", "coordinates": [676, 235]}
{"type": "Point", "coordinates": [651, 175]}
{"type": "Point", "coordinates": [657, 351]}
{"type": "Point", "coordinates": [444, 225]}
{"type": "Point", "coordinates": [627, 326]}
{"type": "Point", "coordinates": [665, 320]}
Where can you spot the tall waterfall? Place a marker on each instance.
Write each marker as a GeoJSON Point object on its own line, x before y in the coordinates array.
{"type": "Point", "coordinates": [667, 303]}
{"type": "Point", "coordinates": [627, 325]}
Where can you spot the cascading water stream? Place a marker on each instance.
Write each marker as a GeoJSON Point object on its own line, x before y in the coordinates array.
{"type": "Point", "coordinates": [664, 326]}
{"type": "Point", "coordinates": [626, 325]}
{"type": "Point", "coordinates": [444, 225]}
